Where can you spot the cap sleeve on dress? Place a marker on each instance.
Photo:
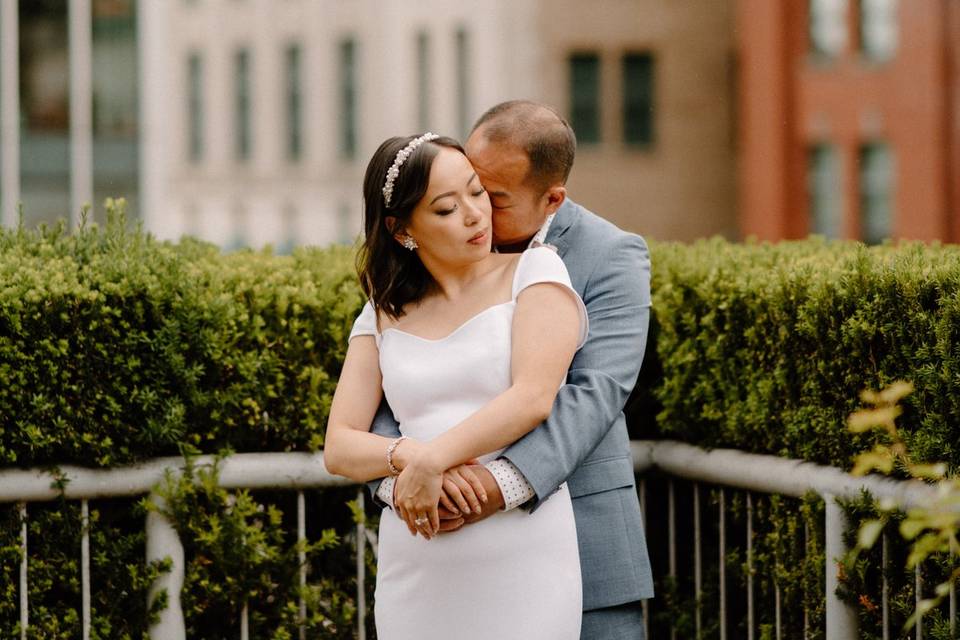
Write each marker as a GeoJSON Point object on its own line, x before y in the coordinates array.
{"type": "Point", "coordinates": [366, 323]}
{"type": "Point", "coordinates": [542, 264]}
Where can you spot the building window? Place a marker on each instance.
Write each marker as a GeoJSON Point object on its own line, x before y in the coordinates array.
{"type": "Point", "coordinates": [826, 199]}
{"type": "Point", "coordinates": [585, 97]}
{"type": "Point", "coordinates": [877, 175]}
{"type": "Point", "coordinates": [289, 219]}
{"type": "Point", "coordinates": [195, 107]}
{"type": "Point", "coordinates": [423, 81]}
{"type": "Point", "coordinates": [294, 103]}
{"type": "Point", "coordinates": [878, 29]}
{"type": "Point", "coordinates": [828, 27]}
{"type": "Point", "coordinates": [345, 233]}
{"type": "Point", "coordinates": [638, 78]}
{"type": "Point", "coordinates": [348, 100]}
{"type": "Point", "coordinates": [242, 132]}
{"type": "Point", "coordinates": [463, 81]}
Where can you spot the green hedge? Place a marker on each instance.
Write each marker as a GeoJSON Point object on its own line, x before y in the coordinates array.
{"type": "Point", "coordinates": [766, 347]}
{"type": "Point", "coordinates": [116, 347]}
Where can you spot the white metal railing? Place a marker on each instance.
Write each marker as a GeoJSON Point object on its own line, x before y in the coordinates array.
{"type": "Point", "coordinates": [787, 477]}
{"type": "Point", "coordinates": [293, 471]}
{"type": "Point", "coordinates": [303, 471]}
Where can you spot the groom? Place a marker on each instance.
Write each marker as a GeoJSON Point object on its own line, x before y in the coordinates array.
{"type": "Point", "coordinates": [523, 153]}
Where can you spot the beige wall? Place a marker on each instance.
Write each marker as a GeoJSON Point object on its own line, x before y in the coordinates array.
{"type": "Point", "coordinates": [684, 187]}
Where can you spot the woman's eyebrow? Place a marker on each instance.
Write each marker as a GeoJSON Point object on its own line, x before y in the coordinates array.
{"type": "Point", "coordinates": [450, 193]}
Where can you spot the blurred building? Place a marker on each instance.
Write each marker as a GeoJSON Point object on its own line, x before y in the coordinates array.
{"type": "Point", "coordinates": [37, 66]}
{"type": "Point", "coordinates": [270, 110]}
{"type": "Point", "coordinates": [849, 118]}
{"type": "Point", "coordinates": [649, 88]}
{"type": "Point", "coordinates": [247, 122]}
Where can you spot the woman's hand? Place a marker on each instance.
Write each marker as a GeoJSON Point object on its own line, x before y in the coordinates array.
{"type": "Point", "coordinates": [417, 494]}
{"type": "Point", "coordinates": [462, 490]}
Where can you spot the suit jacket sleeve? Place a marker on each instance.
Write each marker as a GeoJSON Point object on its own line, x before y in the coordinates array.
{"type": "Point", "coordinates": [602, 374]}
{"type": "Point", "coordinates": [383, 425]}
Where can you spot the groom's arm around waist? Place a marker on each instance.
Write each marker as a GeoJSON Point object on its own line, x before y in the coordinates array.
{"type": "Point", "coordinates": [602, 375]}
{"type": "Point", "coordinates": [383, 425]}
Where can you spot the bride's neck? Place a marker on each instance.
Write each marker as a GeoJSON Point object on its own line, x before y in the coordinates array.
{"type": "Point", "coordinates": [450, 282]}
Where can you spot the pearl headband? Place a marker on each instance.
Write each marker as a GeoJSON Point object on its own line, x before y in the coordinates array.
{"type": "Point", "coordinates": [402, 156]}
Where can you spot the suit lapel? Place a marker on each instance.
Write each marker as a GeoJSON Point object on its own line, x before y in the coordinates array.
{"type": "Point", "coordinates": [566, 215]}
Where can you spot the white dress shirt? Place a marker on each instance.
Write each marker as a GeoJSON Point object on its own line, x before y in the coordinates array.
{"type": "Point", "coordinates": [513, 485]}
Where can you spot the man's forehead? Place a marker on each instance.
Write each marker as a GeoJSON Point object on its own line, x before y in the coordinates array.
{"type": "Point", "coordinates": [498, 159]}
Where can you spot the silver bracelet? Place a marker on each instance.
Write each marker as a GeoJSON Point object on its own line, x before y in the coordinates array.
{"type": "Point", "coordinates": [393, 447]}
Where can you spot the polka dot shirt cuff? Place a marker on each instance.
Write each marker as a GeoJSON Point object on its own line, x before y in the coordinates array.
{"type": "Point", "coordinates": [385, 490]}
{"type": "Point", "coordinates": [514, 487]}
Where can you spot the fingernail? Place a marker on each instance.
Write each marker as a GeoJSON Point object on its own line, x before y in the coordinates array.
{"type": "Point", "coordinates": [476, 508]}
{"type": "Point", "coordinates": [466, 509]}
{"type": "Point", "coordinates": [483, 497]}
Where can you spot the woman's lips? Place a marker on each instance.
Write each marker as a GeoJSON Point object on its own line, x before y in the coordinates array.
{"type": "Point", "coordinates": [479, 238]}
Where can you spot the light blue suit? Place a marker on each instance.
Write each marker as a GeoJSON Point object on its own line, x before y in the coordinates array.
{"type": "Point", "coordinates": [584, 442]}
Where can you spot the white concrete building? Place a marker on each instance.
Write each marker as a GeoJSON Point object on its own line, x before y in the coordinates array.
{"type": "Point", "coordinates": [259, 116]}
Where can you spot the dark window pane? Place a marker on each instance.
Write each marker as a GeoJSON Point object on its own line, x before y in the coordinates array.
{"type": "Point", "coordinates": [463, 82]}
{"type": "Point", "coordinates": [826, 199]}
{"type": "Point", "coordinates": [294, 104]}
{"type": "Point", "coordinates": [423, 81]}
{"type": "Point", "coordinates": [585, 97]}
{"type": "Point", "coordinates": [195, 107]}
{"type": "Point", "coordinates": [243, 140]}
{"type": "Point", "coordinates": [638, 81]}
{"type": "Point", "coordinates": [348, 100]}
{"type": "Point", "coordinates": [877, 175]}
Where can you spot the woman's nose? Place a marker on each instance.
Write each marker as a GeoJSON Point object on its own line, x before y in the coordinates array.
{"type": "Point", "coordinates": [472, 213]}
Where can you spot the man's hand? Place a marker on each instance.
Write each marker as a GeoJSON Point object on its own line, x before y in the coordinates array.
{"type": "Point", "coordinates": [450, 521]}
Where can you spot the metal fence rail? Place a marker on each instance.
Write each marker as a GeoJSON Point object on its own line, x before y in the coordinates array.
{"type": "Point", "coordinates": [302, 471]}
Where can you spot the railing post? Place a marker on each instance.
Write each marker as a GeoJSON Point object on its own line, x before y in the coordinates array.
{"type": "Point", "coordinates": [361, 571]}
{"type": "Point", "coordinates": [163, 542]}
{"type": "Point", "coordinates": [841, 618]}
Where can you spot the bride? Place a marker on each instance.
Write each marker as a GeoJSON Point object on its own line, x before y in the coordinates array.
{"type": "Point", "coordinates": [469, 348]}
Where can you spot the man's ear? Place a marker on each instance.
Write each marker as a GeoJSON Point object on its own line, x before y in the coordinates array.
{"type": "Point", "coordinates": [555, 196]}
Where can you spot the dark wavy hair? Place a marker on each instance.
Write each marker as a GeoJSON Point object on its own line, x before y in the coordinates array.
{"type": "Point", "coordinates": [391, 275]}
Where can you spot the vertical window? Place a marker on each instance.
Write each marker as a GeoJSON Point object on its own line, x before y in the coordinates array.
{"type": "Point", "coordinates": [463, 82]}
{"type": "Point", "coordinates": [638, 77]}
{"type": "Point", "coordinates": [826, 199]}
{"type": "Point", "coordinates": [242, 116]}
{"type": "Point", "coordinates": [585, 97]}
{"type": "Point", "coordinates": [345, 233]}
{"type": "Point", "coordinates": [877, 174]}
{"type": "Point", "coordinates": [289, 218]}
{"type": "Point", "coordinates": [348, 100]}
{"type": "Point", "coordinates": [423, 81]}
{"type": "Point", "coordinates": [828, 27]}
{"type": "Point", "coordinates": [878, 29]}
{"type": "Point", "coordinates": [195, 107]}
{"type": "Point", "coordinates": [294, 103]}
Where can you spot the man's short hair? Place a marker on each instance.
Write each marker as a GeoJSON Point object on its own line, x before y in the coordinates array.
{"type": "Point", "coordinates": [546, 138]}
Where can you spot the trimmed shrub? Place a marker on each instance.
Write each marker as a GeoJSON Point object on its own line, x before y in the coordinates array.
{"type": "Point", "coordinates": [766, 347]}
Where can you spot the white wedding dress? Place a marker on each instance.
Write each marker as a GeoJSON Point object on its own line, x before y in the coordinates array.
{"type": "Point", "coordinates": [515, 575]}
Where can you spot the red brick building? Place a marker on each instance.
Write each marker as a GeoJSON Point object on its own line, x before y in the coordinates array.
{"type": "Point", "coordinates": [849, 118]}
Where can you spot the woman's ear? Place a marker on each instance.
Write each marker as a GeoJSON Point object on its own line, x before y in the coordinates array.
{"type": "Point", "coordinates": [391, 222]}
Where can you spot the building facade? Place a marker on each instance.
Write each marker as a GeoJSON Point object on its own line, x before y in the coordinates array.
{"type": "Point", "coordinates": [648, 86]}
{"type": "Point", "coordinates": [271, 110]}
{"type": "Point", "coordinates": [849, 118]}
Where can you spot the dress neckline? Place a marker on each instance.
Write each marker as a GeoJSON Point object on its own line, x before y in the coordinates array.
{"type": "Point", "coordinates": [455, 331]}
{"type": "Point", "coordinates": [513, 299]}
